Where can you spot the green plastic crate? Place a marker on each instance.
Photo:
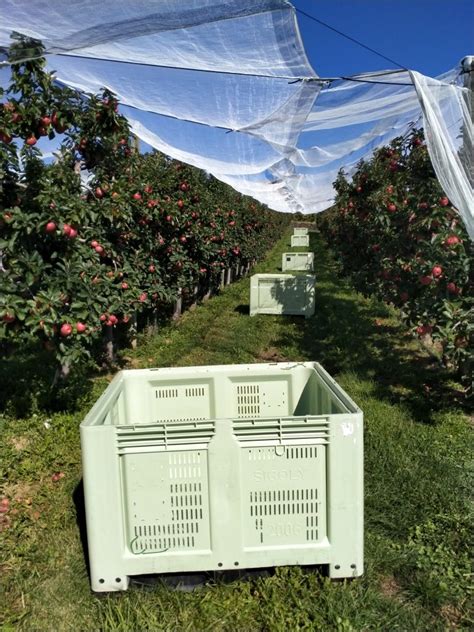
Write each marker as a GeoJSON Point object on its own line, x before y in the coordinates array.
{"type": "Point", "coordinates": [287, 294]}
{"type": "Point", "coordinates": [300, 231]}
{"type": "Point", "coordinates": [299, 241]}
{"type": "Point", "coordinates": [222, 467]}
{"type": "Point", "coordinates": [299, 261]}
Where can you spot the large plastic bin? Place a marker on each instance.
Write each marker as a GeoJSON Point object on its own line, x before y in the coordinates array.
{"type": "Point", "coordinates": [299, 241]}
{"type": "Point", "coordinates": [287, 294]}
{"type": "Point", "coordinates": [222, 467]}
{"type": "Point", "coordinates": [298, 261]}
{"type": "Point", "coordinates": [300, 231]}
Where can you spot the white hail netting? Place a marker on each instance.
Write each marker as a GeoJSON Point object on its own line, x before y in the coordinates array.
{"type": "Point", "coordinates": [188, 71]}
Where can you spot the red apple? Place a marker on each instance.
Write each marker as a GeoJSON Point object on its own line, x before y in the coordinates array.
{"type": "Point", "coordinates": [444, 201]}
{"type": "Point", "coordinates": [183, 239]}
{"type": "Point", "coordinates": [94, 243]}
{"type": "Point", "coordinates": [425, 280]}
{"type": "Point", "coordinates": [422, 330]}
{"type": "Point", "coordinates": [5, 138]}
{"type": "Point", "coordinates": [437, 271]}
{"type": "Point", "coordinates": [80, 328]}
{"type": "Point", "coordinates": [113, 319]}
{"type": "Point", "coordinates": [31, 140]}
{"type": "Point", "coordinates": [72, 233]}
{"type": "Point", "coordinates": [124, 286]}
{"type": "Point", "coordinates": [99, 193]}
{"type": "Point", "coordinates": [137, 196]}
{"type": "Point", "coordinates": [99, 249]}
{"type": "Point", "coordinates": [389, 189]}
{"type": "Point", "coordinates": [151, 268]}
{"type": "Point", "coordinates": [66, 330]}
{"type": "Point", "coordinates": [391, 208]}
{"type": "Point", "coordinates": [66, 229]}
{"type": "Point", "coordinates": [8, 318]}
{"type": "Point", "coordinates": [46, 120]}
{"type": "Point", "coordinates": [180, 203]}
{"type": "Point", "coordinates": [50, 227]}
{"type": "Point", "coordinates": [103, 318]}
{"type": "Point", "coordinates": [143, 297]}
{"type": "Point", "coordinates": [452, 240]}
{"type": "Point", "coordinates": [148, 189]}
{"type": "Point", "coordinates": [453, 288]}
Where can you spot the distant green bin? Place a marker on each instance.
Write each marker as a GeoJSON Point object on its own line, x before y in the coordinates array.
{"type": "Point", "coordinates": [297, 261]}
{"type": "Point", "coordinates": [300, 241]}
{"type": "Point", "coordinates": [222, 467]}
{"type": "Point", "coordinates": [286, 294]}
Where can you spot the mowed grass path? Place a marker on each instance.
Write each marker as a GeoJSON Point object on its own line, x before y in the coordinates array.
{"type": "Point", "coordinates": [418, 481]}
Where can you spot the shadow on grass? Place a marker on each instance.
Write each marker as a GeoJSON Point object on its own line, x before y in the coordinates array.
{"type": "Point", "coordinates": [349, 333]}
{"type": "Point", "coordinates": [242, 309]}
{"type": "Point", "coordinates": [27, 382]}
{"type": "Point", "coordinates": [79, 503]}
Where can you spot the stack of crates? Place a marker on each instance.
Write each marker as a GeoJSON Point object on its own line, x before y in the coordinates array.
{"type": "Point", "coordinates": [288, 294]}
{"type": "Point", "coordinates": [214, 468]}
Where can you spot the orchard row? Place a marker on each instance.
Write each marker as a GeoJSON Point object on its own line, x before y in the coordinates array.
{"type": "Point", "coordinates": [104, 234]}
{"type": "Point", "coordinates": [400, 239]}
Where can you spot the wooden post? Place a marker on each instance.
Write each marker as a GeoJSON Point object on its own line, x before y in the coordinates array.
{"type": "Point", "coordinates": [195, 297]}
{"type": "Point", "coordinates": [207, 286]}
{"type": "Point", "coordinates": [134, 331]}
{"type": "Point", "coordinates": [109, 344]}
{"type": "Point", "coordinates": [178, 306]}
{"type": "Point", "coordinates": [136, 143]}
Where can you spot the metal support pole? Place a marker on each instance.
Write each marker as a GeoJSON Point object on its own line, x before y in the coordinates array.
{"type": "Point", "coordinates": [467, 65]}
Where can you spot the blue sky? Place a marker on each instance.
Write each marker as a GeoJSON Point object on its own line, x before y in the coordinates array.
{"type": "Point", "coordinates": [430, 36]}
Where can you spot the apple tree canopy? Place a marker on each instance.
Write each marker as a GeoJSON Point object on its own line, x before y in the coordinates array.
{"type": "Point", "coordinates": [226, 86]}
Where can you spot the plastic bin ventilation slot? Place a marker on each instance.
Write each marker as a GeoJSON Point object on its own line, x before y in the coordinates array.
{"type": "Point", "coordinates": [213, 468]}
{"type": "Point", "coordinates": [297, 261]}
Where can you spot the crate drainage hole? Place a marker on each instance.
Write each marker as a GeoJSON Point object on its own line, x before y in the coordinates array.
{"type": "Point", "coordinates": [236, 563]}
{"type": "Point", "coordinates": [337, 566]}
{"type": "Point", "coordinates": [101, 581]}
{"type": "Point", "coordinates": [353, 566]}
{"type": "Point", "coordinates": [118, 580]}
{"type": "Point", "coordinates": [219, 564]}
